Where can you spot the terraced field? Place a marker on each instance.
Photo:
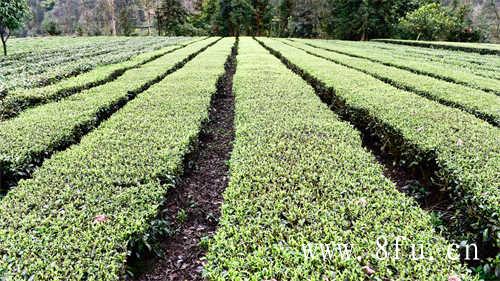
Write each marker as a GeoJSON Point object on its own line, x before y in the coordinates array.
{"type": "Point", "coordinates": [249, 159]}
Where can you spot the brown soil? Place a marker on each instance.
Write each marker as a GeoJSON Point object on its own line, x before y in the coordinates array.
{"type": "Point", "coordinates": [193, 206]}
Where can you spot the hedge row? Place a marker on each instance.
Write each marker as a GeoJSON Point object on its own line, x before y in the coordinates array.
{"type": "Point", "coordinates": [469, 60]}
{"type": "Point", "coordinates": [33, 64]}
{"type": "Point", "coordinates": [466, 47]}
{"type": "Point", "coordinates": [487, 62]}
{"type": "Point", "coordinates": [32, 52]}
{"type": "Point", "coordinates": [19, 100]}
{"type": "Point", "coordinates": [22, 48]}
{"type": "Point", "coordinates": [74, 219]}
{"type": "Point", "coordinates": [461, 151]}
{"type": "Point", "coordinates": [482, 104]}
{"type": "Point", "coordinates": [36, 133]}
{"type": "Point", "coordinates": [299, 176]}
{"type": "Point", "coordinates": [485, 65]}
{"type": "Point", "coordinates": [36, 59]}
{"type": "Point", "coordinates": [436, 70]}
{"type": "Point", "coordinates": [49, 71]}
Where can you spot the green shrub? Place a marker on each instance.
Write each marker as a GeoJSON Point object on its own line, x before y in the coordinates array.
{"type": "Point", "coordinates": [482, 104]}
{"type": "Point", "coordinates": [300, 176]}
{"type": "Point", "coordinates": [38, 132]}
{"type": "Point", "coordinates": [74, 219]}
{"type": "Point", "coordinates": [51, 27]}
{"type": "Point", "coordinates": [460, 151]}
{"type": "Point", "coordinates": [433, 22]}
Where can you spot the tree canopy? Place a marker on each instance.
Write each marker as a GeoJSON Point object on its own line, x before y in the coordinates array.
{"type": "Point", "coordinates": [13, 13]}
{"type": "Point", "coordinates": [339, 19]}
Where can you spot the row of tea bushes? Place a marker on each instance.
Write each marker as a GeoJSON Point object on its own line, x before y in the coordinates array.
{"type": "Point", "coordinates": [466, 47]}
{"type": "Point", "coordinates": [482, 104]}
{"type": "Point", "coordinates": [456, 149]}
{"type": "Point", "coordinates": [299, 178]}
{"type": "Point", "coordinates": [74, 219]}
{"type": "Point", "coordinates": [433, 69]}
{"type": "Point", "coordinates": [18, 100]}
{"type": "Point", "coordinates": [38, 132]}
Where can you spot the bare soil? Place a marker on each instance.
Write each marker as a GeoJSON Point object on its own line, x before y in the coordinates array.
{"type": "Point", "coordinates": [193, 206]}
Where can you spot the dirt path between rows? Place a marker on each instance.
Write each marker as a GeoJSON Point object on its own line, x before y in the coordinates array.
{"type": "Point", "coordinates": [193, 206]}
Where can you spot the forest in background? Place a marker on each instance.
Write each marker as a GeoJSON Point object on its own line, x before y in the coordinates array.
{"type": "Point", "coordinates": [464, 20]}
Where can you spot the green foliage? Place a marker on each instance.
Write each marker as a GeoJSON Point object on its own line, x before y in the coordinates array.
{"type": "Point", "coordinates": [241, 17]}
{"type": "Point", "coordinates": [300, 176]}
{"type": "Point", "coordinates": [464, 148]}
{"type": "Point", "coordinates": [433, 22]}
{"type": "Point", "coordinates": [262, 15]}
{"type": "Point", "coordinates": [13, 13]}
{"type": "Point", "coordinates": [481, 48]}
{"type": "Point", "coordinates": [35, 67]}
{"type": "Point", "coordinates": [458, 75]}
{"type": "Point", "coordinates": [19, 100]}
{"type": "Point", "coordinates": [209, 17]}
{"type": "Point", "coordinates": [171, 15]}
{"type": "Point", "coordinates": [285, 9]}
{"type": "Point", "coordinates": [75, 218]}
{"type": "Point", "coordinates": [51, 27]}
{"type": "Point", "coordinates": [482, 104]}
{"type": "Point", "coordinates": [125, 21]}
{"type": "Point", "coordinates": [304, 20]}
{"type": "Point", "coordinates": [40, 131]}
{"type": "Point", "coordinates": [364, 19]}
{"type": "Point", "coordinates": [233, 17]}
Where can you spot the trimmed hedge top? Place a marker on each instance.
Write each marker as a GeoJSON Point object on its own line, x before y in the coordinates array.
{"type": "Point", "coordinates": [21, 99]}
{"type": "Point", "coordinates": [437, 70]}
{"type": "Point", "coordinates": [467, 47]}
{"type": "Point", "coordinates": [38, 132]}
{"type": "Point", "coordinates": [74, 219]}
{"type": "Point", "coordinates": [465, 149]}
{"type": "Point", "coordinates": [299, 176]}
{"type": "Point", "coordinates": [482, 104]}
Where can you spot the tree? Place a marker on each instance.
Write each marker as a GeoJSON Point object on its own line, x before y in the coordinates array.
{"type": "Point", "coordinates": [434, 22]}
{"type": "Point", "coordinates": [365, 19]}
{"type": "Point", "coordinates": [50, 26]}
{"type": "Point", "coordinates": [149, 10]}
{"type": "Point", "coordinates": [170, 16]}
{"type": "Point", "coordinates": [304, 20]}
{"type": "Point", "coordinates": [285, 9]}
{"type": "Point", "coordinates": [209, 17]}
{"type": "Point", "coordinates": [241, 17]}
{"type": "Point", "coordinates": [224, 16]}
{"type": "Point", "coordinates": [125, 17]}
{"type": "Point", "coordinates": [429, 22]}
{"type": "Point", "coordinates": [263, 15]}
{"type": "Point", "coordinates": [12, 15]}
{"type": "Point", "coordinates": [110, 6]}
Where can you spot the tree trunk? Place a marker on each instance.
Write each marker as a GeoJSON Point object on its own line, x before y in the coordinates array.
{"type": "Point", "coordinates": [4, 35]}
{"type": "Point", "coordinates": [497, 18]}
{"type": "Point", "coordinates": [4, 47]}
{"type": "Point", "coordinates": [113, 18]}
{"type": "Point", "coordinates": [158, 21]}
{"type": "Point", "coordinates": [149, 22]}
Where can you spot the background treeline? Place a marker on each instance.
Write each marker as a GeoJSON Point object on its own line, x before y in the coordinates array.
{"type": "Point", "coordinates": [456, 20]}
